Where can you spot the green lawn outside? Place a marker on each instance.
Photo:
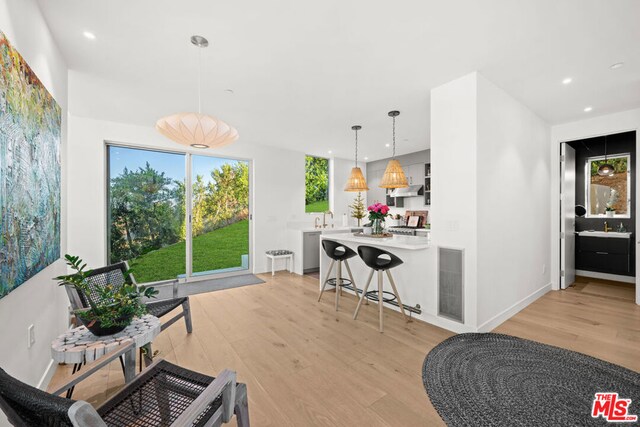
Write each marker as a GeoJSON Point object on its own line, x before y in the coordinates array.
{"type": "Point", "coordinates": [221, 248]}
{"type": "Point", "coordinates": [317, 207]}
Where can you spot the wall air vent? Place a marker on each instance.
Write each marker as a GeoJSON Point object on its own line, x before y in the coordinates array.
{"type": "Point", "coordinates": [450, 283]}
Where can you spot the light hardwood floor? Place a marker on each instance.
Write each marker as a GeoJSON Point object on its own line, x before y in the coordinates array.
{"type": "Point", "coordinates": [306, 365]}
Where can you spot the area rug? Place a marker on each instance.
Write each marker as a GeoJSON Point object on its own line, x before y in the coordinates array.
{"type": "Point", "coordinates": [500, 380]}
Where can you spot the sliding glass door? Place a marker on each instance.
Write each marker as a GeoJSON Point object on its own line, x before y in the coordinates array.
{"type": "Point", "coordinates": [219, 215]}
{"type": "Point", "coordinates": [167, 226]}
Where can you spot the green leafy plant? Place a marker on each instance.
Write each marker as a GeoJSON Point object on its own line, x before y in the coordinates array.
{"type": "Point", "coordinates": [358, 210]}
{"type": "Point", "coordinates": [113, 306]}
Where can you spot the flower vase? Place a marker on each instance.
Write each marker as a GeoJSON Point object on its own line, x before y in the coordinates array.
{"type": "Point", "coordinates": [377, 226]}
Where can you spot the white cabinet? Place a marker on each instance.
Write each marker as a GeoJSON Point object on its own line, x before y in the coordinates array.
{"type": "Point", "coordinates": [415, 173]}
{"type": "Point", "coordinates": [375, 193]}
{"type": "Point", "coordinates": [311, 251]}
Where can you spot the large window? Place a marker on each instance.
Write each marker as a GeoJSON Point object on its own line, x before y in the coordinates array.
{"type": "Point", "coordinates": [608, 193]}
{"type": "Point", "coordinates": [148, 213]}
{"type": "Point", "coordinates": [316, 197]}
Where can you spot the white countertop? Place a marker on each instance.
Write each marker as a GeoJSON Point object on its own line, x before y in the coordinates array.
{"type": "Point", "coordinates": [412, 243]}
{"type": "Point", "coordinates": [324, 230]}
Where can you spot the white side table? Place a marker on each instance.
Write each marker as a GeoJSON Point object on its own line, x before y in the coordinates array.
{"type": "Point", "coordinates": [80, 346]}
{"type": "Point", "coordinates": [276, 254]}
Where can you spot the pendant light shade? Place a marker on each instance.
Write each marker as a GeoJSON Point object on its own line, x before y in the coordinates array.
{"type": "Point", "coordinates": [356, 182]}
{"type": "Point", "coordinates": [606, 169]}
{"type": "Point", "coordinates": [196, 129]}
{"type": "Point", "coordinates": [394, 176]}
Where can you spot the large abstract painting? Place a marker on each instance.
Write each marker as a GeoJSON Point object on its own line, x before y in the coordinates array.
{"type": "Point", "coordinates": [30, 127]}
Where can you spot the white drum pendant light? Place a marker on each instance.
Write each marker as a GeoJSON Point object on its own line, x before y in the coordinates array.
{"type": "Point", "coordinates": [394, 176]}
{"type": "Point", "coordinates": [196, 129]}
{"type": "Point", "coordinates": [356, 182]}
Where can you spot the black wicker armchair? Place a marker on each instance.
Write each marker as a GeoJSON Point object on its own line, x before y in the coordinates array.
{"type": "Point", "coordinates": [116, 275]}
{"type": "Point", "coordinates": [162, 395]}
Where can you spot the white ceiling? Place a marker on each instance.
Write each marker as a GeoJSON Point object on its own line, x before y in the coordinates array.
{"type": "Point", "coordinates": [303, 72]}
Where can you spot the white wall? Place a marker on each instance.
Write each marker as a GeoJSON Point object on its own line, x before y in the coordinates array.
{"type": "Point", "coordinates": [453, 174]}
{"type": "Point", "coordinates": [601, 125]}
{"type": "Point", "coordinates": [512, 198]}
{"type": "Point", "coordinates": [278, 186]}
{"type": "Point", "coordinates": [39, 301]}
{"type": "Point", "coordinates": [490, 166]}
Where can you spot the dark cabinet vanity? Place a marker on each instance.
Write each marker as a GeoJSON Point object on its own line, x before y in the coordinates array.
{"type": "Point", "coordinates": [604, 253]}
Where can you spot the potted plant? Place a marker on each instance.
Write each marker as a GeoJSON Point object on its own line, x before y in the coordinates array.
{"type": "Point", "coordinates": [113, 308]}
{"type": "Point", "coordinates": [377, 214]}
{"type": "Point", "coordinates": [609, 211]}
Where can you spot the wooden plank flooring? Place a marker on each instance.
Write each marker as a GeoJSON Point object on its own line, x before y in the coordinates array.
{"type": "Point", "coordinates": [306, 365]}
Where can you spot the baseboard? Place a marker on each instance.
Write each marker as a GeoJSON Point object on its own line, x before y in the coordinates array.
{"type": "Point", "coordinates": [46, 377]}
{"type": "Point", "coordinates": [606, 276]}
{"type": "Point", "coordinates": [495, 321]}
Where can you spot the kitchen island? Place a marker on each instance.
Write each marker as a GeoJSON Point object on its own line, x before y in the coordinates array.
{"type": "Point", "coordinates": [411, 277]}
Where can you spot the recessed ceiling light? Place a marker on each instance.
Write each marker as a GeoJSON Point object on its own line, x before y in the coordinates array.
{"type": "Point", "coordinates": [587, 109]}
{"type": "Point", "coordinates": [230, 91]}
{"type": "Point", "coordinates": [567, 81]}
{"type": "Point", "coordinates": [366, 158]}
{"type": "Point", "coordinates": [387, 145]}
{"type": "Point", "coordinates": [617, 65]}
{"type": "Point", "coordinates": [89, 35]}
{"type": "Point", "coordinates": [330, 151]}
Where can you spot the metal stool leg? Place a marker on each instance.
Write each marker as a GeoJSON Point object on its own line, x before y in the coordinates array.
{"type": "Point", "coordinates": [364, 293]}
{"type": "Point", "coordinates": [324, 284]}
{"type": "Point", "coordinates": [380, 300]}
{"type": "Point", "coordinates": [395, 291]}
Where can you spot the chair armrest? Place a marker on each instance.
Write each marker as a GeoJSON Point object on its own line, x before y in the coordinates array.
{"type": "Point", "coordinates": [225, 385]}
{"type": "Point", "coordinates": [92, 367]}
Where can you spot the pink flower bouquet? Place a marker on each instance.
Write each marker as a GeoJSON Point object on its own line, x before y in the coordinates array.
{"type": "Point", "coordinates": [378, 211]}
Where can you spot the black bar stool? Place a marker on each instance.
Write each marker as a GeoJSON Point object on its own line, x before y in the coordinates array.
{"type": "Point", "coordinates": [338, 253]}
{"type": "Point", "coordinates": [380, 261]}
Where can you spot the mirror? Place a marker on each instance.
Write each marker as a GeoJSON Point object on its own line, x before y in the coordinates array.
{"type": "Point", "coordinates": [580, 211]}
{"type": "Point", "coordinates": [608, 195]}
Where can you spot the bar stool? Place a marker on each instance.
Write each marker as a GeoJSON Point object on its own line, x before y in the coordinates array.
{"type": "Point", "coordinates": [380, 261]}
{"type": "Point", "coordinates": [338, 253]}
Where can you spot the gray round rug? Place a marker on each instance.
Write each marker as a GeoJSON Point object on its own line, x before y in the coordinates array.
{"type": "Point", "coordinates": [500, 380]}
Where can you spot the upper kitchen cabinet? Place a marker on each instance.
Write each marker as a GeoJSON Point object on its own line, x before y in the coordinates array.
{"type": "Point", "coordinates": [375, 193]}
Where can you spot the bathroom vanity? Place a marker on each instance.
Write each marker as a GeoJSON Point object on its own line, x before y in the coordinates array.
{"type": "Point", "coordinates": [604, 252]}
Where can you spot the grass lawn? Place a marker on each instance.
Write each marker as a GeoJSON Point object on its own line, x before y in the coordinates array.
{"type": "Point", "coordinates": [317, 207]}
{"type": "Point", "coordinates": [217, 249]}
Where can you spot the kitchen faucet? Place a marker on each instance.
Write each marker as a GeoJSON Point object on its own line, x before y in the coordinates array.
{"type": "Point", "coordinates": [324, 218]}
{"type": "Point", "coordinates": [315, 222]}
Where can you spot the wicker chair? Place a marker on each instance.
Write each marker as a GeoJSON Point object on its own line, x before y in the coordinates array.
{"type": "Point", "coordinates": [116, 275]}
{"type": "Point", "coordinates": [162, 395]}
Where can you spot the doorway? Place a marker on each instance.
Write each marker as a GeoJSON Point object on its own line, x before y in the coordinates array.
{"type": "Point", "coordinates": [598, 209]}
{"type": "Point", "coordinates": [176, 214]}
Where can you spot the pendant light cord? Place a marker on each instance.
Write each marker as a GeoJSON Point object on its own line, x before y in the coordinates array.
{"type": "Point", "coordinates": [605, 148]}
{"type": "Point", "coordinates": [199, 79]}
{"type": "Point", "coordinates": [394, 137]}
{"type": "Point", "coordinates": [356, 147]}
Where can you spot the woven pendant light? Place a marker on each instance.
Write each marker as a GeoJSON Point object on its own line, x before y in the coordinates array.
{"type": "Point", "coordinates": [196, 129]}
{"type": "Point", "coordinates": [356, 182]}
{"type": "Point", "coordinates": [394, 176]}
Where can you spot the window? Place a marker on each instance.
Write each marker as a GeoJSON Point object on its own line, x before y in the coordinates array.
{"type": "Point", "coordinates": [316, 195]}
{"type": "Point", "coordinates": [606, 193]}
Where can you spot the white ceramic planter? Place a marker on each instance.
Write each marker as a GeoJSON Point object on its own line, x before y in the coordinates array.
{"type": "Point", "coordinates": [610, 214]}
